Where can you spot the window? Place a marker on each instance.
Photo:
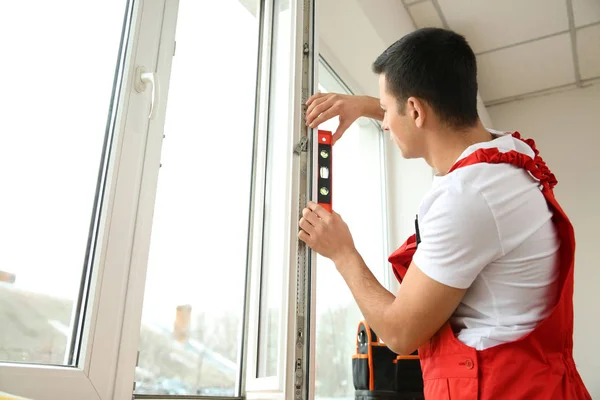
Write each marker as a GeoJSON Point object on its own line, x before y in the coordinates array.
{"type": "Point", "coordinates": [53, 132]}
{"type": "Point", "coordinates": [194, 299]}
{"type": "Point", "coordinates": [74, 136]}
{"type": "Point", "coordinates": [359, 199]}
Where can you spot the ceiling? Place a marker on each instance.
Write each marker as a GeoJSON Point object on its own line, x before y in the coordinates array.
{"type": "Point", "coordinates": [523, 47]}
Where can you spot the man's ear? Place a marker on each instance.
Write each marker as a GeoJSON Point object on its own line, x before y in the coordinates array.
{"type": "Point", "coordinates": [415, 109]}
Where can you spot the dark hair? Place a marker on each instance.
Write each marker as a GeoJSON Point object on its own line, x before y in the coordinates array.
{"type": "Point", "coordinates": [437, 66]}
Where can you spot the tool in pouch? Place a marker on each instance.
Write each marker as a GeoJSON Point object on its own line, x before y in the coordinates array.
{"type": "Point", "coordinates": [381, 374]}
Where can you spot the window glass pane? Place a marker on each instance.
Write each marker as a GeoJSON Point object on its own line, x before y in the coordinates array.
{"type": "Point", "coordinates": [356, 186]}
{"type": "Point", "coordinates": [277, 210]}
{"type": "Point", "coordinates": [58, 69]}
{"type": "Point", "coordinates": [193, 303]}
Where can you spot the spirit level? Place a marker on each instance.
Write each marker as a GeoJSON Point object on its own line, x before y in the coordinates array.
{"type": "Point", "coordinates": [324, 163]}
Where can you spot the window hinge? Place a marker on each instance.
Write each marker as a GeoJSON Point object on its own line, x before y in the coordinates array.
{"type": "Point", "coordinates": [302, 145]}
{"type": "Point", "coordinates": [306, 48]}
{"type": "Point", "coordinates": [174, 47]}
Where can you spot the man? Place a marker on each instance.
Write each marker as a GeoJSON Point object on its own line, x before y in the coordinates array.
{"type": "Point", "coordinates": [487, 281]}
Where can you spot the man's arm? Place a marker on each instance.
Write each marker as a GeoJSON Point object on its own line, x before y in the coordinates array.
{"type": "Point", "coordinates": [404, 322]}
{"type": "Point", "coordinates": [324, 106]}
{"type": "Point", "coordinates": [408, 320]}
{"type": "Point", "coordinates": [372, 108]}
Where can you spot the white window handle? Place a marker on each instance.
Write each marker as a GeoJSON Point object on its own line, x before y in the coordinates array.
{"type": "Point", "coordinates": [142, 79]}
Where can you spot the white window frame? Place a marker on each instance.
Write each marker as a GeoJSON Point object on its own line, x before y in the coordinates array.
{"type": "Point", "coordinates": [280, 386]}
{"type": "Point", "coordinates": [94, 376]}
{"type": "Point", "coordinates": [266, 385]}
{"type": "Point", "coordinates": [165, 42]}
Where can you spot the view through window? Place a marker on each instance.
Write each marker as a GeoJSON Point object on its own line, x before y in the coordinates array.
{"type": "Point", "coordinates": [193, 303]}
{"type": "Point", "coordinates": [55, 105]}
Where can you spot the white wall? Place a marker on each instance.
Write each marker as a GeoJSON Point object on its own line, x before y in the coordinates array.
{"type": "Point", "coordinates": [566, 127]}
{"type": "Point", "coordinates": [352, 35]}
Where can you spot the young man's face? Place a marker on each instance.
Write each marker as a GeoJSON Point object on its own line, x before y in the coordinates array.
{"type": "Point", "coordinates": [402, 128]}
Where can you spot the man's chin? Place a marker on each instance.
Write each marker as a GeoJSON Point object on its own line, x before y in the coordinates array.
{"type": "Point", "coordinates": [405, 152]}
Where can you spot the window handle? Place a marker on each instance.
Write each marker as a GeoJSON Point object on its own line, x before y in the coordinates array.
{"type": "Point", "coordinates": [142, 79]}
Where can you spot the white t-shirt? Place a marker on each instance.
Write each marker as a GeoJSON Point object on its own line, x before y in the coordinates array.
{"type": "Point", "coordinates": [488, 228]}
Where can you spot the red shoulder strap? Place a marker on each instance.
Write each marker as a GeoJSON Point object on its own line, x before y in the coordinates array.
{"type": "Point", "coordinates": [535, 166]}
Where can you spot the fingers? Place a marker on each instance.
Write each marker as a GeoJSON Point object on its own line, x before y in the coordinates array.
{"type": "Point", "coordinates": [317, 107]}
{"type": "Point", "coordinates": [326, 115]}
{"type": "Point", "coordinates": [305, 237]}
{"type": "Point", "coordinates": [317, 209]}
{"type": "Point", "coordinates": [314, 97]}
{"type": "Point", "coordinates": [306, 226]}
{"type": "Point", "coordinates": [310, 216]}
{"type": "Point", "coordinates": [342, 127]}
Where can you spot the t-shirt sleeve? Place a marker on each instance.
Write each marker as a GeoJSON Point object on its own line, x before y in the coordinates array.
{"type": "Point", "coordinates": [459, 236]}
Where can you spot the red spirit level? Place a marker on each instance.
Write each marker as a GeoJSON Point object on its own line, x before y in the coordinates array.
{"type": "Point", "coordinates": [324, 164]}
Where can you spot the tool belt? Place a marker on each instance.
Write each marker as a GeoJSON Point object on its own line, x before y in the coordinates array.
{"type": "Point", "coordinates": [381, 374]}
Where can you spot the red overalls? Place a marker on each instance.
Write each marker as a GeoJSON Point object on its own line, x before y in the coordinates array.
{"type": "Point", "coordinates": [537, 366]}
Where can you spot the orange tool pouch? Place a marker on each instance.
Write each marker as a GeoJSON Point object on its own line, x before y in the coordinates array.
{"type": "Point", "coordinates": [381, 374]}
